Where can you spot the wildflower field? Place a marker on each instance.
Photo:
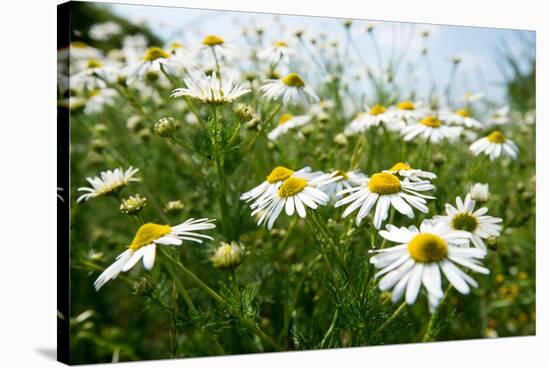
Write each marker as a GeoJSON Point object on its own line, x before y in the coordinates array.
{"type": "Point", "coordinates": [272, 187]}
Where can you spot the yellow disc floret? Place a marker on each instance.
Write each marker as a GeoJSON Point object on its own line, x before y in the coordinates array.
{"type": "Point", "coordinates": [280, 44]}
{"type": "Point", "coordinates": [431, 121]}
{"type": "Point", "coordinates": [155, 53]}
{"type": "Point", "coordinates": [400, 166]}
{"type": "Point", "coordinates": [464, 112]}
{"type": "Point", "coordinates": [285, 117]}
{"type": "Point", "coordinates": [406, 105]}
{"type": "Point", "coordinates": [79, 44]}
{"type": "Point", "coordinates": [427, 247]}
{"type": "Point", "coordinates": [464, 222]}
{"type": "Point", "coordinates": [175, 45]}
{"type": "Point", "coordinates": [212, 40]}
{"type": "Point", "coordinates": [291, 186]}
{"type": "Point", "coordinates": [93, 64]}
{"type": "Point", "coordinates": [384, 184]}
{"type": "Point", "coordinates": [293, 80]}
{"type": "Point", "coordinates": [496, 137]}
{"type": "Point", "coordinates": [377, 109]}
{"type": "Point", "coordinates": [280, 173]}
{"type": "Point", "coordinates": [147, 233]}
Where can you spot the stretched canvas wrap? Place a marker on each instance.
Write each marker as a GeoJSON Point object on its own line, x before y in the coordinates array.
{"type": "Point", "coordinates": [234, 183]}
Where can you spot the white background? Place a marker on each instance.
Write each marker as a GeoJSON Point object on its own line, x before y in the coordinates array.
{"type": "Point", "coordinates": [28, 180]}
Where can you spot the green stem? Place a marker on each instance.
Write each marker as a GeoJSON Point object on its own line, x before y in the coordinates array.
{"type": "Point", "coordinates": [179, 286]}
{"type": "Point", "coordinates": [390, 319]}
{"type": "Point", "coordinates": [246, 322]}
{"type": "Point", "coordinates": [357, 150]}
{"type": "Point", "coordinates": [428, 335]}
{"type": "Point", "coordinates": [222, 198]}
{"type": "Point", "coordinates": [330, 329]}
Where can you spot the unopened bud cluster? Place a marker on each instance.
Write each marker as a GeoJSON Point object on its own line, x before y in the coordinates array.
{"type": "Point", "coordinates": [133, 204]}
{"type": "Point", "coordinates": [228, 255]}
{"type": "Point", "coordinates": [165, 127]}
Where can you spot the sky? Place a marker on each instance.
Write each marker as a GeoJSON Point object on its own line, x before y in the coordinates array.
{"type": "Point", "coordinates": [477, 47]}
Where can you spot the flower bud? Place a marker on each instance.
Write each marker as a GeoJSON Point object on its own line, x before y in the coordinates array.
{"type": "Point", "coordinates": [133, 204]}
{"type": "Point", "coordinates": [165, 127]}
{"type": "Point", "coordinates": [134, 123]}
{"type": "Point", "coordinates": [143, 286]}
{"type": "Point", "coordinates": [341, 140]}
{"type": "Point", "coordinates": [480, 192]}
{"type": "Point", "coordinates": [244, 112]}
{"type": "Point", "coordinates": [492, 243]}
{"type": "Point", "coordinates": [228, 255]}
{"type": "Point", "coordinates": [98, 144]}
{"type": "Point", "coordinates": [439, 159]}
{"type": "Point", "coordinates": [173, 207]}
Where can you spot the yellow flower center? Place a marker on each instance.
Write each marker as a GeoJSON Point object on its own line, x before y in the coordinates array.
{"type": "Point", "coordinates": [400, 166]}
{"type": "Point", "coordinates": [464, 222]}
{"type": "Point", "coordinates": [464, 112]}
{"type": "Point", "coordinates": [496, 137]}
{"type": "Point", "coordinates": [384, 184]}
{"type": "Point", "coordinates": [431, 121]}
{"type": "Point", "coordinates": [212, 40]}
{"type": "Point", "coordinates": [147, 233]}
{"type": "Point", "coordinates": [285, 117]}
{"type": "Point", "coordinates": [291, 186]}
{"type": "Point", "coordinates": [280, 44]}
{"type": "Point", "coordinates": [377, 109]}
{"type": "Point", "coordinates": [427, 247]}
{"type": "Point", "coordinates": [93, 63]}
{"type": "Point", "coordinates": [78, 44]}
{"type": "Point", "coordinates": [280, 173]}
{"type": "Point", "coordinates": [406, 105]}
{"type": "Point", "coordinates": [293, 80]}
{"type": "Point", "coordinates": [155, 53]}
{"type": "Point", "coordinates": [343, 174]}
{"type": "Point", "coordinates": [175, 45]}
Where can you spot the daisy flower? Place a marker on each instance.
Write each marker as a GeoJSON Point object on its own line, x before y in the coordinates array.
{"type": "Point", "coordinates": [80, 50]}
{"type": "Point", "coordinates": [145, 243]}
{"type": "Point", "coordinates": [104, 31]}
{"type": "Point", "coordinates": [154, 59]}
{"type": "Point", "coordinates": [348, 180]}
{"type": "Point", "coordinates": [109, 182]}
{"type": "Point", "coordinates": [385, 189]}
{"type": "Point", "coordinates": [291, 88]}
{"type": "Point", "coordinates": [404, 170]}
{"type": "Point", "coordinates": [364, 120]}
{"type": "Point", "coordinates": [431, 128]}
{"type": "Point", "coordinates": [210, 90]}
{"type": "Point", "coordinates": [218, 46]}
{"type": "Point", "coordinates": [286, 123]}
{"type": "Point", "coordinates": [462, 117]}
{"type": "Point", "coordinates": [493, 145]}
{"type": "Point", "coordinates": [408, 111]}
{"type": "Point", "coordinates": [294, 194]}
{"type": "Point", "coordinates": [92, 74]}
{"type": "Point", "coordinates": [464, 218]}
{"type": "Point", "coordinates": [272, 183]}
{"type": "Point", "coordinates": [276, 53]}
{"type": "Point", "coordinates": [420, 256]}
{"type": "Point", "coordinates": [500, 116]}
{"type": "Point", "coordinates": [98, 99]}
